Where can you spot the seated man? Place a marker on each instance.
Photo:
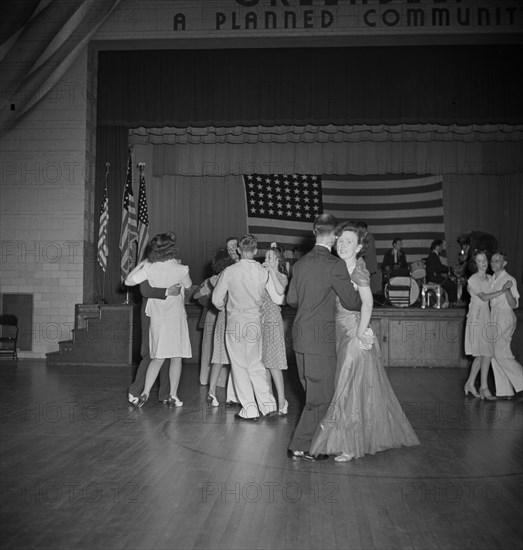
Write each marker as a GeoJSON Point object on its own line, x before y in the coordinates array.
{"type": "Point", "coordinates": [438, 273]}
{"type": "Point", "coordinates": [395, 262]}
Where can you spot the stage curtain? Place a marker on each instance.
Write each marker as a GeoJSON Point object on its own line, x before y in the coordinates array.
{"type": "Point", "coordinates": [285, 86]}
{"type": "Point", "coordinates": [434, 86]}
{"type": "Point", "coordinates": [412, 149]}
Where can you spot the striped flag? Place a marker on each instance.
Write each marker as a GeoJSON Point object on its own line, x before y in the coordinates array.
{"type": "Point", "coordinates": [103, 249]}
{"type": "Point", "coordinates": [128, 234]}
{"type": "Point", "coordinates": [410, 208]}
{"type": "Point", "coordinates": [143, 217]}
{"type": "Point", "coordinates": [407, 207]}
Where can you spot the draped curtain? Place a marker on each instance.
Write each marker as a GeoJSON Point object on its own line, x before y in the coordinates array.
{"type": "Point", "coordinates": [44, 39]}
{"type": "Point", "coordinates": [205, 180]}
{"type": "Point", "coordinates": [443, 110]}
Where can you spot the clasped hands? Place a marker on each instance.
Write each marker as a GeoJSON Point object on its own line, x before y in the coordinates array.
{"type": "Point", "coordinates": [366, 338]}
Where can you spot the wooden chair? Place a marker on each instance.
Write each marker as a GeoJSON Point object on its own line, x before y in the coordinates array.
{"type": "Point", "coordinates": [8, 335]}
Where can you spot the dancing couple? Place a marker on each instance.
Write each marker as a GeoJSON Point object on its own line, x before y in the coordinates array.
{"type": "Point", "coordinates": [350, 407]}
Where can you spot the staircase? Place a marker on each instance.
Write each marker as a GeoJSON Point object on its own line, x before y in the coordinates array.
{"type": "Point", "coordinates": [104, 335]}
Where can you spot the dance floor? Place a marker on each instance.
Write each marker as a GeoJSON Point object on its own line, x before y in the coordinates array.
{"type": "Point", "coordinates": [82, 469]}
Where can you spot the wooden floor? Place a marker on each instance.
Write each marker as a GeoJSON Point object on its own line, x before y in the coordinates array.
{"type": "Point", "coordinates": [80, 469]}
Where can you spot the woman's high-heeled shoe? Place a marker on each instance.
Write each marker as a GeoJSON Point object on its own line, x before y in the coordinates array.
{"type": "Point", "coordinates": [344, 457]}
{"type": "Point", "coordinates": [212, 401]}
{"type": "Point", "coordinates": [484, 393]}
{"type": "Point", "coordinates": [142, 400]}
{"type": "Point", "coordinates": [284, 409]}
{"type": "Point", "coordinates": [469, 388]}
{"type": "Point", "coordinates": [173, 401]}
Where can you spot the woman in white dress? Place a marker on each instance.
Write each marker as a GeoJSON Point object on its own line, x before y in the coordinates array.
{"type": "Point", "coordinates": [478, 341]}
{"type": "Point", "coordinates": [169, 332]}
{"type": "Point", "coordinates": [508, 373]}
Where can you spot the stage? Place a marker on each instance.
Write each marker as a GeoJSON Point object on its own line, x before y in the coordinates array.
{"type": "Point", "coordinates": [110, 335]}
{"type": "Point", "coordinates": [80, 469]}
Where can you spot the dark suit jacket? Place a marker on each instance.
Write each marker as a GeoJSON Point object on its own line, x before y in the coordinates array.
{"type": "Point", "coordinates": [388, 260]}
{"type": "Point", "coordinates": [316, 280]}
{"type": "Point", "coordinates": [436, 271]}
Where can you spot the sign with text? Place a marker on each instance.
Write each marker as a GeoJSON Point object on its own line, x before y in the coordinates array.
{"type": "Point", "coordinates": [382, 16]}
{"type": "Point", "coordinates": [160, 19]}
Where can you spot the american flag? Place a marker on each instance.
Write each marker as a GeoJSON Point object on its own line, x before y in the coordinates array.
{"type": "Point", "coordinates": [103, 248]}
{"type": "Point", "coordinates": [407, 207]}
{"type": "Point", "coordinates": [128, 234]}
{"type": "Point", "coordinates": [143, 217]}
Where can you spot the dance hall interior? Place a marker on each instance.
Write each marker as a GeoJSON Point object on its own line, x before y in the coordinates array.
{"type": "Point", "coordinates": [125, 124]}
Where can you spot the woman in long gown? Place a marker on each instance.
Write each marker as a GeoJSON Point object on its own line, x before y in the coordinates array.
{"type": "Point", "coordinates": [364, 416]}
{"type": "Point", "coordinates": [169, 332]}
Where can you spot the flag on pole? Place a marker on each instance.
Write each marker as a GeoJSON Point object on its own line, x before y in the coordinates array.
{"type": "Point", "coordinates": [143, 216]}
{"type": "Point", "coordinates": [282, 208]}
{"type": "Point", "coordinates": [128, 229]}
{"type": "Point", "coordinates": [103, 249]}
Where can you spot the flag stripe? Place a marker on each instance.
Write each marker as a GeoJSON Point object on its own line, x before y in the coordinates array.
{"type": "Point", "coordinates": [376, 206]}
{"type": "Point", "coordinates": [385, 183]}
{"type": "Point", "coordinates": [337, 188]}
{"type": "Point", "coordinates": [389, 198]}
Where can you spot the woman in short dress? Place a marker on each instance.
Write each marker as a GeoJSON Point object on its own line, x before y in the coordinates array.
{"type": "Point", "coordinates": [220, 357]}
{"type": "Point", "coordinates": [274, 355]}
{"type": "Point", "coordinates": [478, 338]}
{"type": "Point", "coordinates": [168, 332]}
{"type": "Point", "coordinates": [364, 416]}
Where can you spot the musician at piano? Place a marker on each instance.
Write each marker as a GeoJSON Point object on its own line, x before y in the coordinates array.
{"type": "Point", "coordinates": [439, 273]}
{"type": "Point", "coordinates": [395, 262]}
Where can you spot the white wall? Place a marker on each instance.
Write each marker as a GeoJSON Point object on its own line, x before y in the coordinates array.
{"type": "Point", "coordinates": [44, 203]}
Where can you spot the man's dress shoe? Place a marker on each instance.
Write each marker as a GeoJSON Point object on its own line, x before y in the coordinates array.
{"type": "Point", "coordinates": [305, 455]}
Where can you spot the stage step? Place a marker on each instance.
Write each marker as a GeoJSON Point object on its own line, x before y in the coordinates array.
{"type": "Point", "coordinates": [103, 335]}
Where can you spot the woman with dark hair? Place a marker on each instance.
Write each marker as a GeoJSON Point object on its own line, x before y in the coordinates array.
{"type": "Point", "coordinates": [364, 416]}
{"type": "Point", "coordinates": [169, 332]}
{"type": "Point", "coordinates": [219, 357]}
{"type": "Point", "coordinates": [274, 355]}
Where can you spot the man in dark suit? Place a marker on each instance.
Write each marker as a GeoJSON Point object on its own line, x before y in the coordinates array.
{"type": "Point", "coordinates": [316, 280]}
{"type": "Point", "coordinates": [438, 273]}
{"type": "Point", "coordinates": [395, 262]}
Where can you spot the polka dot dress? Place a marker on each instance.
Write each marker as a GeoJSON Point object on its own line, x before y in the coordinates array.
{"type": "Point", "coordinates": [273, 340]}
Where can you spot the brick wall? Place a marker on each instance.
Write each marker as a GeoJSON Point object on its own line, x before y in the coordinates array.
{"type": "Point", "coordinates": [44, 207]}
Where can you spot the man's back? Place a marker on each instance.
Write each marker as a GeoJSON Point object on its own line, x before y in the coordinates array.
{"type": "Point", "coordinates": [317, 278]}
